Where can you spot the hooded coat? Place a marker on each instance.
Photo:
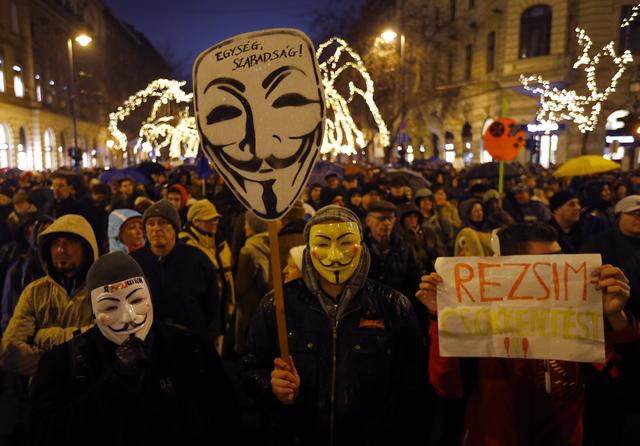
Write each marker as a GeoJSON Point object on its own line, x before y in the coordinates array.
{"type": "Point", "coordinates": [117, 218]}
{"type": "Point", "coordinates": [361, 360]}
{"type": "Point", "coordinates": [47, 314]}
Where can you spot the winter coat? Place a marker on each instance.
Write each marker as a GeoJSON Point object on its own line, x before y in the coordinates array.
{"type": "Point", "coordinates": [450, 212]}
{"type": "Point", "coordinates": [252, 283]}
{"type": "Point", "coordinates": [219, 255]}
{"type": "Point", "coordinates": [398, 268]}
{"type": "Point", "coordinates": [424, 240]}
{"type": "Point", "coordinates": [117, 218]}
{"type": "Point", "coordinates": [183, 286]}
{"type": "Point", "coordinates": [622, 251]}
{"type": "Point", "coordinates": [470, 242]}
{"type": "Point", "coordinates": [571, 241]}
{"type": "Point", "coordinates": [47, 314]}
{"type": "Point", "coordinates": [506, 400]}
{"type": "Point", "coordinates": [362, 380]}
{"type": "Point", "coordinates": [179, 396]}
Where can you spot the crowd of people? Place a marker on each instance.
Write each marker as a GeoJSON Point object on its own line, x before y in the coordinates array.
{"type": "Point", "coordinates": [357, 251]}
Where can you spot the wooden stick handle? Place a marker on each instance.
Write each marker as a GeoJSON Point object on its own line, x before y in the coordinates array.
{"type": "Point", "coordinates": [281, 322]}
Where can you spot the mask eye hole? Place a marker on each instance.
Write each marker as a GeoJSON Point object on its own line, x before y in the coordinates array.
{"type": "Point", "coordinates": [223, 113]}
{"type": "Point", "coordinates": [136, 301]}
{"type": "Point", "coordinates": [110, 309]}
{"type": "Point", "coordinates": [292, 100]}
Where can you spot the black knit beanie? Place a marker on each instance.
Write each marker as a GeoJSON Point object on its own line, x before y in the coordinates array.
{"type": "Point", "coordinates": [164, 209]}
{"type": "Point", "coordinates": [112, 268]}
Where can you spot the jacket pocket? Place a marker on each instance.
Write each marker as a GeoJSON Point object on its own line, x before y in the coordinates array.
{"type": "Point", "coordinates": [303, 347]}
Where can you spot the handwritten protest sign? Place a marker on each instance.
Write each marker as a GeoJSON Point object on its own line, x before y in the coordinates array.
{"type": "Point", "coordinates": [543, 306]}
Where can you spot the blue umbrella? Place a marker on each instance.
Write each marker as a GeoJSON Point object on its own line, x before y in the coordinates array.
{"type": "Point", "coordinates": [132, 172]}
{"type": "Point", "coordinates": [322, 169]}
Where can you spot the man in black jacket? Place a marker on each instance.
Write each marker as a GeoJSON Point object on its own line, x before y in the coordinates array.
{"type": "Point", "coordinates": [357, 374]}
{"type": "Point", "coordinates": [130, 379]}
{"type": "Point", "coordinates": [181, 277]}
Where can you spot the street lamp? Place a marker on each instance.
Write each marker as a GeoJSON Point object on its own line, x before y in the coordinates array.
{"type": "Point", "coordinates": [389, 36]}
{"type": "Point", "coordinates": [83, 40]}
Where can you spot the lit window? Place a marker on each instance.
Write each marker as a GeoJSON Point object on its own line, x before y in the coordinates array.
{"type": "Point", "coordinates": [38, 88]}
{"type": "Point", "coordinates": [535, 31]}
{"type": "Point", "coordinates": [4, 147]}
{"type": "Point", "coordinates": [48, 148]}
{"type": "Point", "coordinates": [18, 85]}
{"type": "Point", "coordinates": [1, 76]}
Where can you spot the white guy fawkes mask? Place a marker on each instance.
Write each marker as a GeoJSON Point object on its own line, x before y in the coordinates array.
{"type": "Point", "coordinates": [122, 309]}
{"type": "Point", "coordinates": [260, 112]}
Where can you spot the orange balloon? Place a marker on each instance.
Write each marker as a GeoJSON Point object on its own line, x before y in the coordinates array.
{"type": "Point", "coordinates": [503, 139]}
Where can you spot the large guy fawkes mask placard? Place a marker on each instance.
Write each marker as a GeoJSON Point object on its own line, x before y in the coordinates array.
{"type": "Point", "coordinates": [260, 112]}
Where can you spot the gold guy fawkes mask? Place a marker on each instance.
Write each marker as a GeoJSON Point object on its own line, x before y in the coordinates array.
{"type": "Point", "coordinates": [335, 250]}
{"type": "Point", "coordinates": [260, 113]}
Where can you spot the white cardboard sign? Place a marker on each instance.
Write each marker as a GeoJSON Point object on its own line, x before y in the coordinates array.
{"type": "Point", "coordinates": [260, 112]}
{"type": "Point", "coordinates": [542, 306]}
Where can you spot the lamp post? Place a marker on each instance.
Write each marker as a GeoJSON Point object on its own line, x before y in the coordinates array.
{"type": "Point", "coordinates": [82, 40]}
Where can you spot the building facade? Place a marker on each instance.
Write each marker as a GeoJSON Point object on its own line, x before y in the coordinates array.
{"type": "Point", "coordinates": [47, 78]}
{"type": "Point", "coordinates": [464, 59]}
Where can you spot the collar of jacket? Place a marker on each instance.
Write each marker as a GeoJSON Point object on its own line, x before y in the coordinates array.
{"type": "Point", "coordinates": [351, 287]}
{"type": "Point", "coordinates": [202, 238]}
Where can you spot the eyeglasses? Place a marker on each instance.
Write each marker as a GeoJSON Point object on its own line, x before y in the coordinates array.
{"type": "Point", "coordinates": [635, 213]}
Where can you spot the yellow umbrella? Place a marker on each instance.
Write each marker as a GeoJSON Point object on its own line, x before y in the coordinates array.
{"type": "Point", "coordinates": [585, 165]}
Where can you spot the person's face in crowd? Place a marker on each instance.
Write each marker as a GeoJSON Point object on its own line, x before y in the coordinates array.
{"type": "Point", "coordinates": [522, 197]}
{"type": "Point", "coordinates": [408, 192]}
{"type": "Point", "coordinates": [315, 194]}
{"type": "Point", "coordinates": [123, 309]}
{"type": "Point", "coordinates": [569, 212]}
{"type": "Point", "coordinates": [350, 183]}
{"type": "Point", "coordinates": [411, 221]}
{"type": "Point", "coordinates": [635, 180]}
{"type": "Point", "coordinates": [304, 196]}
{"type": "Point", "coordinates": [21, 207]}
{"type": "Point", "coordinates": [161, 235]}
{"type": "Point", "coordinates": [381, 224]}
{"type": "Point", "coordinates": [621, 191]}
{"type": "Point", "coordinates": [629, 223]}
{"type": "Point", "coordinates": [605, 193]}
{"type": "Point", "coordinates": [5, 200]}
{"type": "Point", "coordinates": [335, 249]}
{"type": "Point", "coordinates": [426, 206]}
{"type": "Point", "coordinates": [97, 197]}
{"type": "Point", "coordinates": [333, 182]}
{"type": "Point", "coordinates": [126, 188]}
{"type": "Point", "coordinates": [477, 214]}
{"type": "Point", "coordinates": [207, 226]}
{"type": "Point", "coordinates": [291, 270]}
{"type": "Point", "coordinates": [67, 255]}
{"type": "Point", "coordinates": [548, 193]}
{"type": "Point", "coordinates": [530, 182]}
{"type": "Point", "coordinates": [397, 191]}
{"type": "Point", "coordinates": [370, 198]}
{"type": "Point", "coordinates": [440, 197]}
{"type": "Point", "coordinates": [131, 233]}
{"type": "Point", "coordinates": [355, 199]}
{"type": "Point", "coordinates": [440, 178]}
{"type": "Point", "coordinates": [175, 199]}
{"type": "Point", "coordinates": [24, 182]}
{"type": "Point", "coordinates": [61, 189]}
{"type": "Point", "coordinates": [338, 200]}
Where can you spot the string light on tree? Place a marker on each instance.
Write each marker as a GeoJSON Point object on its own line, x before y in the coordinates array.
{"type": "Point", "coordinates": [567, 105]}
{"type": "Point", "coordinates": [634, 13]}
{"type": "Point", "coordinates": [158, 132]}
{"type": "Point", "coordinates": [342, 134]}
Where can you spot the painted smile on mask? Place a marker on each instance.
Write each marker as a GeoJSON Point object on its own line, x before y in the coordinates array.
{"type": "Point", "coordinates": [335, 250]}
{"type": "Point", "coordinates": [123, 309]}
{"type": "Point", "coordinates": [131, 326]}
{"type": "Point", "coordinates": [261, 122]}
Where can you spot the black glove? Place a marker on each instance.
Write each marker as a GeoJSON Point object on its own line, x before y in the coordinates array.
{"type": "Point", "coordinates": [130, 355]}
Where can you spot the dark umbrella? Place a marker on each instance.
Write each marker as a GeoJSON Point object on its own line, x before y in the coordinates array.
{"type": "Point", "coordinates": [132, 172]}
{"type": "Point", "coordinates": [149, 168]}
{"type": "Point", "coordinates": [489, 170]}
{"type": "Point", "coordinates": [322, 169]}
{"type": "Point", "coordinates": [415, 180]}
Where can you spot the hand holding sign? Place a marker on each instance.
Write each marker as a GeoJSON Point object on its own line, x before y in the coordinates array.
{"type": "Point", "coordinates": [546, 307]}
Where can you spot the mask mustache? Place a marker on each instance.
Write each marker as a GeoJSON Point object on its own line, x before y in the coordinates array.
{"type": "Point", "coordinates": [335, 263]}
{"type": "Point", "coordinates": [129, 326]}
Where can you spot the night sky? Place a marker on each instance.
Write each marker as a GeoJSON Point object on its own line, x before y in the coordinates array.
{"type": "Point", "coordinates": [184, 28]}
